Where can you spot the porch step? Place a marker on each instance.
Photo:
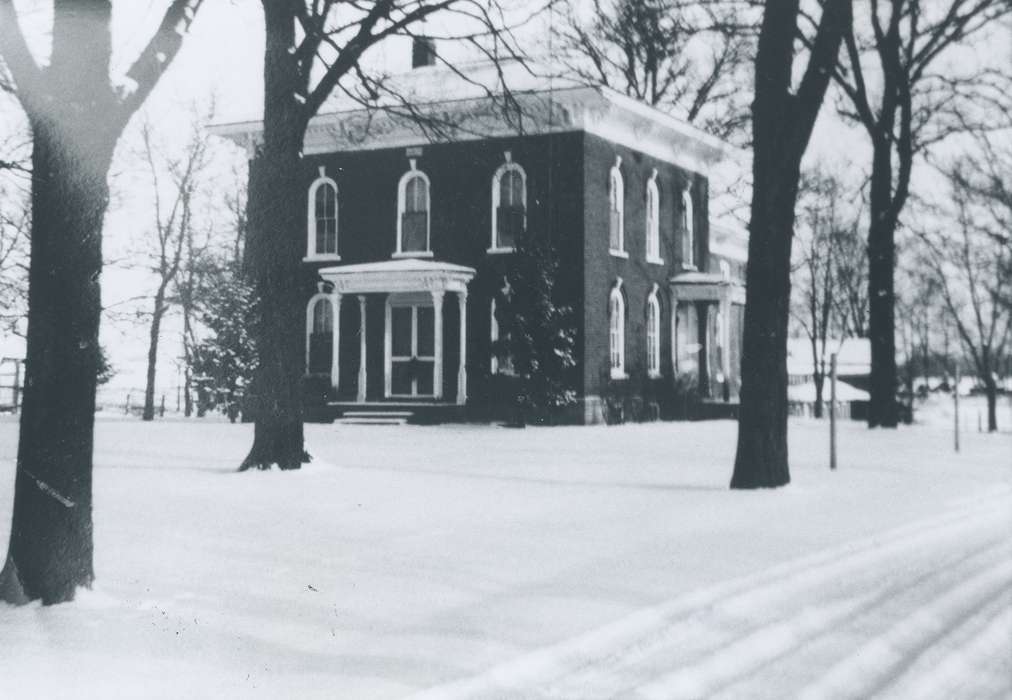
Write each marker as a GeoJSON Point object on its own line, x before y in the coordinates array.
{"type": "Point", "coordinates": [375, 417]}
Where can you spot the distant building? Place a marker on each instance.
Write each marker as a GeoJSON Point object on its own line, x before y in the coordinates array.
{"type": "Point", "coordinates": [407, 241]}
{"type": "Point", "coordinates": [12, 372]}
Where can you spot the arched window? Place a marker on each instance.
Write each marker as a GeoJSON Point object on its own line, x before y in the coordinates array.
{"type": "Point", "coordinates": [413, 214]}
{"type": "Point", "coordinates": [686, 338]}
{"type": "Point", "coordinates": [509, 205]}
{"type": "Point", "coordinates": [616, 210]}
{"type": "Point", "coordinates": [322, 218]}
{"type": "Point", "coordinates": [653, 221]}
{"type": "Point", "coordinates": [319, 335]}
{"type": "Point", "coordinates": [616, 331]}
{"type": "Point", "coordinates": [653, 334]}
{"type": "Point", "coordinates": [688, 230]}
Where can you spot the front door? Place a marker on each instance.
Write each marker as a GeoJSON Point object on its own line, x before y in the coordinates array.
{"type": "Point", "coordinates": [412, 349]}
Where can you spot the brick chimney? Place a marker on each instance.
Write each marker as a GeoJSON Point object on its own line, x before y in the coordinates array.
{"type": "Point", "coordinates": [423, 52]}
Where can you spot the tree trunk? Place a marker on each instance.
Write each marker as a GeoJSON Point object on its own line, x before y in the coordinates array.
{"type": "Point", "coordinates": [881, 293]}
{"type": "Point", "coordinates": [761, 460]}
{"type": "Point", "coordinates": [153, 335]}
{"type": "Point", "coordinates": [819, 378]}
{"type": "Point", "coordinates": [274, 254]}
{"type": "Point", "coordinates": [991, 392]}
{"type": "Point", "coordinates": [50, 552]}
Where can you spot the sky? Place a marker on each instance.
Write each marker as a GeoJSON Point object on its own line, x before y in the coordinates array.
{"type": "Point", "coordinates": [222, 58]}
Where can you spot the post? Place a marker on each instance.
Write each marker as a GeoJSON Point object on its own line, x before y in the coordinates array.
{"type": "Point", "coordinates": [362, 376]}
{"type": "Point", "coordinates": [955, 403]}
{"type": "Point", "coordinates": [980, 422]}
{"type": "Point", "coordinates": [161, 408]}
{"type": "Point", "coordinates": [462, 370]}
{"type": "Point", "coordinates": [832, 411]}
{"type": "Point", "coordinates": [17, 383]}
{"type": "Point", "coordinates": [126, 408]}
{"type": "Point", "coordinates": [335, 342]}
{"type": "Point", "coordinates": [437, 370]}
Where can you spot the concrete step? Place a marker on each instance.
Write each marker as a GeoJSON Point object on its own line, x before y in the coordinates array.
{"type": "Point", "coordinates": [371, 421]}
{"type": "Point", "coordinates": [378, 414]}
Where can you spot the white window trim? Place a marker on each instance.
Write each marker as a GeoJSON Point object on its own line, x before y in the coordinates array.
{"type": "Point", "coordinates": [311, 253]}
{"type": "Point", "coordinates": [402, 186]}
{"type": "Point", "coordinates": [310, 308]}
{"type": "Point", "coordinates": [654, 353]}
{"type": "Point", "coordinates": [688, 231]}
{"type": "Point", "coordinates": [508, 166]}
{"type": "Point", "coordinates": [653, 221]}
{"type": "Point", "coordinates": [616, 192]}
{"type": "Point", "coordinates": [617, 370]}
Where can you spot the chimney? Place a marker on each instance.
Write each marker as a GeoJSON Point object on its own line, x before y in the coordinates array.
{"type": "Point", "coordinates": [423, 52]}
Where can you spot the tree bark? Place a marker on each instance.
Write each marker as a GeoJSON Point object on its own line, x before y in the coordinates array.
{"type": "Point", "coordinates": [782, 122]}
{"type": "Point", "coordinates": [50, 552]}
{"type": "Point", "coordinates": [882, 410]}
{"type": "Point", "coordinates": [154, 332]}
{"type": "Point", "coordinates": [273, 253]}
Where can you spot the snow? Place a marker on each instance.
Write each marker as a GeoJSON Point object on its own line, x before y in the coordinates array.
{"type": "Point", "coordinates": [478, 561]}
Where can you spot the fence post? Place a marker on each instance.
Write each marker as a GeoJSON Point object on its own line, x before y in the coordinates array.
{"type": "Point", "coordinates": [126, 408]}
{"type": "Point", "coordinates": [955, 402]}
{"type": "Point", "coordinates": [832, 411]}
{"type": "Point", "coordinates": [17, 383]}
{"type": "Point", "coordinates": [161, 408]}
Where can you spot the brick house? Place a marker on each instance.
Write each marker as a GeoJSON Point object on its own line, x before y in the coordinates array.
{"type": "Point", "coordinates": [407, 238]}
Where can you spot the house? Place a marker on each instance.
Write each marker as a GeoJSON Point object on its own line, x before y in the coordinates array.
{"type": "Point", "coordinates": [853, 370]}
{"type": "Point", "coordinates": [408, 236]}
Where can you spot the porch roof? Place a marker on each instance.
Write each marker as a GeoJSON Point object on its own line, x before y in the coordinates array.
{"type": "Point", "coordinates": [706, 286]}
{"type": "Point", "coordinates": [400, 275]}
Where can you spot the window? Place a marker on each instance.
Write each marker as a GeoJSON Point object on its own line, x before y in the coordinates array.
{"type": "Point", "coordinates": [322, 218]}
{"type": "Point", "coordinates": [505, 364]}
{"type": "Point", "coordinates": [688, 231]}
{"type": "Point", "coordinates": [653, 334]}
{"type": "Point", "coordinates": [686, 338]}
{"type": "Point", "coordinates": [413, 214]}
{"type": "Point", "coordinates": [616, 210]}
{"type": "Point", "coordinates": [616, 334]}
{"type": "Point", "coordinates": [509, 205]}
{"type": "Point", "coordinates": [653, 221]}
{"type": "Point", "coordinates": [320, 335]}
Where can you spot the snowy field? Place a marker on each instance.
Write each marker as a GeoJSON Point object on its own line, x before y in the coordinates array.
{"type": "Point", "coordinates": [478, 561]}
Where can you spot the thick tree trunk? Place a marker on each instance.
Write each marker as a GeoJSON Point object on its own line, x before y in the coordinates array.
{"type": "Point", "coordinates": [274, 254]}
{"type": "Point", "coordinates": [761, 459]}
{"type": "Point", "coordinates": [50, 552]}
{"type": "Point", "coordinates": [154, 332]}
{"type": "Point", "coordinates": [882, 410]}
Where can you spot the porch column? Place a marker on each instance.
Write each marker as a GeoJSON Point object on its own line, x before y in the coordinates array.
{"type": "Point", "coordinates": [335, 369]}
{"type": "Point", "coordinates": [462, 371]}
{"type": "Point", "coordinates": [437, 370]}
{"type": "Point", "coordinates": [725, 335]}
{"type": "Point", "coordinates": [361, 350]}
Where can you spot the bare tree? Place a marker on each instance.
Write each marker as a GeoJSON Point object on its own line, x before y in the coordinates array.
{"type": "Point", "coordinates": [172, 245]}
{"type": "Point", "coordinates": [782, 121]}
{"type": "Point", "coordinates": [901, 86]}
{"type": "Point", "coordinates": [14, 243]}
{"type": "Point", "coordinates": [688, 58]}
{"type": "Point", "coordinates": [76, 115]}
{"type": "Point", "coordinates": [967, 262]}
{"type": "Point", "coordinates": [313, 49]}
{"type": "Point", "coordinates": [824, 257]}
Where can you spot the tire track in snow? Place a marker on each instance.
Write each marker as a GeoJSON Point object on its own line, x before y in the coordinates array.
{"type": "Point", "coordinates": [752, 659]}
{"type": "Point", "coordinates": [655, 629]}
{"type": "Point", "coordinates": [881, 661]}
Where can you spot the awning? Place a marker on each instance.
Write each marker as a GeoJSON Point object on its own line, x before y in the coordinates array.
{"type": "Point", "coordinates": [402, 275]}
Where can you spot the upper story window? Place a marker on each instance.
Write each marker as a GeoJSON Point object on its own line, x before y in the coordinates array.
{"type": "Point", "coordinates": [413, 214]}
{"type": "Point", "coordinates": [616, 331]}
{"type": "Point", "coordinates": [653, 220]}
{"type": "Point", "coordinates": [616, 210]}
{"type": "Point", "coordinates": [509, 205]}
{"type": "Point", "coordinates": [322, 218]}
{"type": "Point", "coordinates": [688, 230]}
{"type": "Point", "coordinates": [653, 334]}
{"type": "Point", "coordinates": [320, 335]}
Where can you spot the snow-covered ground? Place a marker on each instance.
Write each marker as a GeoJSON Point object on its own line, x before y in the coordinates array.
{"type": "Point", "coordinates": [478, 561]}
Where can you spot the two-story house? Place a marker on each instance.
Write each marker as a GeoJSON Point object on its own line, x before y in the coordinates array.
{"type": "Point", "coordinates": [407, 237]}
